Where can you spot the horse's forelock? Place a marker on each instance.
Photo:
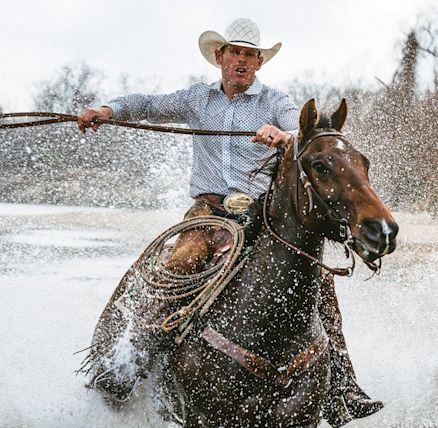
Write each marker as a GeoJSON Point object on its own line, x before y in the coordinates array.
{"type": "Point", "coordinates": [324, 121]}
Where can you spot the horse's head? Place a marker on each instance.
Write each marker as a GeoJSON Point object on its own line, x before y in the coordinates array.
{"type": "Point", "coordinates": [335, 196]}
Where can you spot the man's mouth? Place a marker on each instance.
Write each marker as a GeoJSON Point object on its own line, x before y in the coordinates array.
{"type": "Point", "coordinates": [241, 70]}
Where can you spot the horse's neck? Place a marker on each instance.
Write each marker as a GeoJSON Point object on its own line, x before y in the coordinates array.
{"type": "Point", "coordinates": [296, 276]}
{"type": "Point", "coordinates": [273, 309]}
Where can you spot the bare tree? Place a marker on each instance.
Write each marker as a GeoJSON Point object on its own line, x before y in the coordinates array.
{"type": "Point", "coordinates": [75, 88]}
{"type": "Point", "coordinates": [428, 45]}
{"type": "Point", "coordinates": [405, 78]}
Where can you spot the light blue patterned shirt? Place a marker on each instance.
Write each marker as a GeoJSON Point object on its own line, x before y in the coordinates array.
{"type": "Point", "coordinates": [221, 164]}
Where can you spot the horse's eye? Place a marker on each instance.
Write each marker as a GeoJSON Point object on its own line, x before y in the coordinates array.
{"type": "Point", "coordinates": [320, 167]}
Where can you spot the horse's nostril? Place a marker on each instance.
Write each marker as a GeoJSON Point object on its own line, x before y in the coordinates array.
{"type": "Point", "coordinates": [380, 234]}
{"type": "Point", "coordinates": [372, 229]}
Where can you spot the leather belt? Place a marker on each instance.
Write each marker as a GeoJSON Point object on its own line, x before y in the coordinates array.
{"type": "Point", "coordinates": [211, 199]}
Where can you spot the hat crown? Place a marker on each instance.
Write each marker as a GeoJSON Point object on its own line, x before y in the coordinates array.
{"type": "Point", "coordinates": [243, 30]}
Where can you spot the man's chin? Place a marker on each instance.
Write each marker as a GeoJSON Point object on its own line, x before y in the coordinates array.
{"type": "Point", "coordinates": [242, 85]}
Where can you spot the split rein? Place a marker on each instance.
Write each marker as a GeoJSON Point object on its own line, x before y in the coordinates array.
{"type": "Point", "coordinates": [52, 118]}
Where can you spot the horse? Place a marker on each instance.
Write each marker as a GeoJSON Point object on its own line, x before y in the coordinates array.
{"type": "Point", "coordinates": [259, 357]}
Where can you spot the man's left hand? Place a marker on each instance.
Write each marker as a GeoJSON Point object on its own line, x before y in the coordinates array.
{"type": "Point", "coordinates": [271, 136]}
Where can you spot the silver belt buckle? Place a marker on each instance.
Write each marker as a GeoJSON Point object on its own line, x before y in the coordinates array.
{"type": "Point", "coordinates": [237, 202]}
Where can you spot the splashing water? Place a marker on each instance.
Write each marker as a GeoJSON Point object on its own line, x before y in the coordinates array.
{"type": "Point", "coordinates": [52, 295]}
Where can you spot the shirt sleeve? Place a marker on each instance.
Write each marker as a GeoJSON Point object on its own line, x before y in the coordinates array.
{"type": "Point", "coordinates": [287, 115]}
{"type": "Point", "coordinates": [168, 108]}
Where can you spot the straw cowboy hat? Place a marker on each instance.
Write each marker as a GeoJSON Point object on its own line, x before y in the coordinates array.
{"type": "Point", "coordinates": [241, 32]}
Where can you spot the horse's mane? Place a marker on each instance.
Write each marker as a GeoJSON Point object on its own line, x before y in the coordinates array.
{"type": "Point", "coordinates": [324, 121]}
{"type": "Point", "coordinates": [270, 165]}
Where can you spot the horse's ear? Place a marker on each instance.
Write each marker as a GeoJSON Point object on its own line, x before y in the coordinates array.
{"type": "Point", "coordinates": [339, 116]}
{"type": "Point", "coordinates": [308, 117]}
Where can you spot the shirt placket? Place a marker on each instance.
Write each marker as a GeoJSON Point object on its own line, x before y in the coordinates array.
{"type": "Point", "coordinates": [226, 147]}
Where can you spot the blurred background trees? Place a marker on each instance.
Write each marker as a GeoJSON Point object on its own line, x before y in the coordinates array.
{"type": "Point", "coordinates": [76, 87]}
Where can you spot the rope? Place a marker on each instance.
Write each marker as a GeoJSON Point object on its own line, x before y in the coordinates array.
{"type": "Point", "coordinates": [161, 284]}
{"type": "Point", "coordinates": [62, 118]}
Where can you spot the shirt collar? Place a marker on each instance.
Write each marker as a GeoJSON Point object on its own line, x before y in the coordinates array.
{"type": "Point", "coordinates": [254, 89]}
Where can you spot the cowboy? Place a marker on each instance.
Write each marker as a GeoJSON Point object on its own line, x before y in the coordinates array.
{"type": "Point", "coordinates": [223, 165]}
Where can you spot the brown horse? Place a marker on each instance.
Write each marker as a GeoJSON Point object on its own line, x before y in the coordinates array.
{"type": "Point", "coordinates": [259, 356]}
{"type": "Point", "coordinates": [269, 313]}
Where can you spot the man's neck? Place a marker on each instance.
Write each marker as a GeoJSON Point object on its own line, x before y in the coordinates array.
{"type": "Point", "coordinates": [231, 91]}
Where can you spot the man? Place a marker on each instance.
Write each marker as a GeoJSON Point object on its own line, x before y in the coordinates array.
{"type": "Point", "coordinates": [223, 165]}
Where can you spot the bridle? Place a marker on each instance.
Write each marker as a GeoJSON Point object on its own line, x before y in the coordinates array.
{"type": "Point", "coordinates": [344, 231]}
{"type": "Point", "coordinates": [343, 227]}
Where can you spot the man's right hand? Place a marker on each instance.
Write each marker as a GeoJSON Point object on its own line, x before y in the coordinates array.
{"type": "Point", "coordinates": [87, 118]}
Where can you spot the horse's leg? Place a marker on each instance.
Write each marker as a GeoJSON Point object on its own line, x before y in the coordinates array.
{"type": "Point", "coordinates": [120, 347]}
{"type": "Point", "coordinates": [115, 358]}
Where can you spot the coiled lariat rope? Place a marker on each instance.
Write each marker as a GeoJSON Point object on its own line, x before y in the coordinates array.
{"type": "Point", "coordinates": [154, 281]}
{"type": "Point", "coordinates": [63, 118]}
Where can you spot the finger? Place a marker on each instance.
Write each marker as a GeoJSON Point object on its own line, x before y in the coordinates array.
{"type": "Point", "coordinates": [278, 139]}
{"type": "Point", "coordinates": [267, 134]}
{"type": "Point", "coordinates": [261, 132]}
{"type": "Point", "coordinates": [270, 139]}
{"type": "Point", "coordinates": [259, 137]}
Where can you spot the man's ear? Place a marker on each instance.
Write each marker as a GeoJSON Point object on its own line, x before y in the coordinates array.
{"type": "Point", "coordinates": [261, 59]}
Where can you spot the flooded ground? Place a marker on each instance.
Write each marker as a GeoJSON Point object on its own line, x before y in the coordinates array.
{"type": "Point", "coordinates": [59, 265]}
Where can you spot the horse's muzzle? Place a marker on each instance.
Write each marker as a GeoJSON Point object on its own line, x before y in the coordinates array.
{"type": "Point", "coordinates": [377, 239]}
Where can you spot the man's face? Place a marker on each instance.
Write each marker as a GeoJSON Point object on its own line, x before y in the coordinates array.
{"type": "Point", "coordinates": [239, 65]}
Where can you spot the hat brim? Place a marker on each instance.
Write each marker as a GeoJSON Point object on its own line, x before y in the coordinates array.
{"type": "Point", "coordinates": [210, 41]}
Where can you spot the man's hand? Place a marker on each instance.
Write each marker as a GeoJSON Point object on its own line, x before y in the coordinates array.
{"type": "Point", "coordinates": [88, 117]}
{"type": "Point", "coordinates": [271, 136]}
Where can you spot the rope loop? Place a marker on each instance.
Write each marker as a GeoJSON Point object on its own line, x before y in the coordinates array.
{"type": "Point", "coordinates": [155, 282]}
